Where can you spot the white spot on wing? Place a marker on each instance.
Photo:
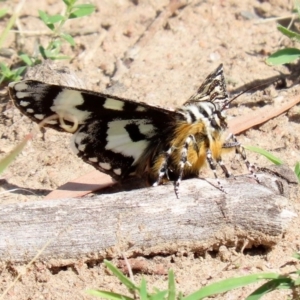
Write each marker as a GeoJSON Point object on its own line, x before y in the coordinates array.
{"type": "Point", "coordinates": [93, 159]}
{"type": "Point", "coordinates": [39, 116]}
{"type": "Point", "coordinates": [118, 139]}
{"type": "Point", "coordinates": [117, 171]}
{"type": "Point", "coordinates": [73, 145]}
{"type": "Point", "coordinates": [81, 147]}
{"type": "Point", "coordinates": [19, 86]}
{"type": "Point", "coordinates": [21, 95]}
{"type": "Point", "coordinates": [146, 129]}
{"type": "Point", "coordinates": [113, 104]}
{"type": "Point", "coordinates": [65, 106]}
{"type": "Point", "coordinates": [141, 108]}
{"type": "Point", "coordinates": [76, 141]}
{"type": "Point", "coordinates": [79, 137]}
{"type": "Point", "coordinates": [105, 166]}
{"type": "Point", "coordinates": [30, 110]}
{"type": "Point", "coordinates": [24, 103]}
{"type": "Point", "coordinates": [12, 84]}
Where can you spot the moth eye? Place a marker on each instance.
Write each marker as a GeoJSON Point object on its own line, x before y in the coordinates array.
{"type": "Point", "coordinates": [213, 123]}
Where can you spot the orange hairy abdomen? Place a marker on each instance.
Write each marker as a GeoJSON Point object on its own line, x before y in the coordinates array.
{"type": "Point", "coordinates": [197, 149]}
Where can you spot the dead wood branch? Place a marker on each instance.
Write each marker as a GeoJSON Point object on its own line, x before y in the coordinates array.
{"type": "Point", "coordinates": [146, 221]}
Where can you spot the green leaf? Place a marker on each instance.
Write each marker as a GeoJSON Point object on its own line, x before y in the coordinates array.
{"type": "Point", "coordinates": [68, 38]}
{"type": "Point", "coordinates": [275, 160]}
{"type": "Point", "coordinates": [56, 56]}
{"type": "Point", "coordinates": [82, 10]}
{"type": "Point", "coordinates": [60, 57]}
{"type": "Point", "coordinates": [127, 282]}
{"type": "Point", "coordinates": [108, 295]}
{"type": "Point", "coordinates": [50, 20]}
{"type": "Point", "coordinates": [45, 18]}
{"type": "Point", "coordinates": [297, 172]}
{"type": "Point", "coordinates": [53, 52]}
{"type": "Point", "coordinates": [10, 75]}
{"type": "Point", "coordinates": [289, 33]}
{"type": "Point", "coordinates": [171, 286]}
{"type": "Point", "coordinates": [4, 68]}
{"type": "Point", "coordinates": [229, 284]}
{"type": "Point", "coordinates": [3, 12]}
{"type": "Point", "coordinates": [283, 56]}
{"type": "Point", "coordinates": [55, 45]}
{"type": "Point", "coordinates": [42, 51]}
{"type": "Point", "coordinates": [27, 60]}
{"type": "Point", "coordinates": [7, 160]}
{"type": "Point", "coordinates": [297, 282]}
{"type": "Point", "coordinates": [69, 3]}
{"type": "Point", "coordinates": [296, 255]}
{"type": "Point", "coordinates": [19, 71]}
{"type": "Point", "coordinates": [55, 18]}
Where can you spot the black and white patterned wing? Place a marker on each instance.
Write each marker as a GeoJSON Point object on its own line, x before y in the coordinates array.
{"type": "Point", "coordinates": [110, 133]}
{"type": "Point", "coordinates": [213, 89]}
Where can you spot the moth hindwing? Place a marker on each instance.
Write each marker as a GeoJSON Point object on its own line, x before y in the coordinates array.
{"type": "Point", "coordinates": [122, 138]}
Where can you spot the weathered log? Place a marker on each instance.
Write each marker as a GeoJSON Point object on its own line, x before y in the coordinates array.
{"type": "Point", "coordinates": [147, 221]}
{"type": "Point", "coordinates": [144, 221]}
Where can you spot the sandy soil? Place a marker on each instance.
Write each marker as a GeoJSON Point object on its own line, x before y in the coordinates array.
{"type": "Point", "coordinates": [143, 52]}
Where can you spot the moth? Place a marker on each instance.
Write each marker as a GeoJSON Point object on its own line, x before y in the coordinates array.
{"type": "Point", "coordinates": [124, 138]}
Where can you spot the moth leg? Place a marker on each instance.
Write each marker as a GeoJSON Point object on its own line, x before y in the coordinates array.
{"type": "Point", "coordinates": [240, 150]}
{"type": "Point", "coordinates": [164, 167]}
{"type": "Point", "coordinates": [223, 167]}
{"type": "Point", "coordinates": [184, 161]}
{"type": "Point", "coordinates": [212, 166]}
{"type": "Point", "coordinates": [227, 145]}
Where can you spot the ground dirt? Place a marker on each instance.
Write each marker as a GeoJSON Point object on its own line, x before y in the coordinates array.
{"type": "Point", "coordinates": [140, 50]}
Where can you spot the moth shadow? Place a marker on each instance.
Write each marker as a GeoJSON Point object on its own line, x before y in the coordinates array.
{"type": "Point", "coordinates": [15, 189]}
{"type": "Point", "coordinates": [129, 184]}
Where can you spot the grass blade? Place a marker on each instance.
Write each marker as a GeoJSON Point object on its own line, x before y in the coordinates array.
{"type": "Point", "coordinates": [3, 12]}
{"type": "Point", "coordinates": [143, 290]}
{"type": "Point", "coordinates": [11, 22]}
{"type": "Point", "coordinates": [160, 295]}
{"type": "Point", "coordinates": [7, 160]}
{"type": "Point", "coordinates": [127, 282]}
{"type": "Point", "coordinates": [282, 283]}
{"type": "Point", "coordinates": [229, 284]}
{"type": "Point", "coordinates": [275, 160]}
{"type": "Point", "coordinates": [108, 295]}
{"type": "Point", "coordinates": [171, 286]}
{"type": "Point", "coordinates": [297, 170]}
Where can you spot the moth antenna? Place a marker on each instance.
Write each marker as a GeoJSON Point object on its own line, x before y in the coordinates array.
{"type": "Point", "coordinates": [247, 90]}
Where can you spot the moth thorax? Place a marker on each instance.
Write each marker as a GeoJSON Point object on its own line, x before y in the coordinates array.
{"type": "Point", "coordinates": [205, 111]}
{"type": "Point", "coordinates": [218, 120]}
